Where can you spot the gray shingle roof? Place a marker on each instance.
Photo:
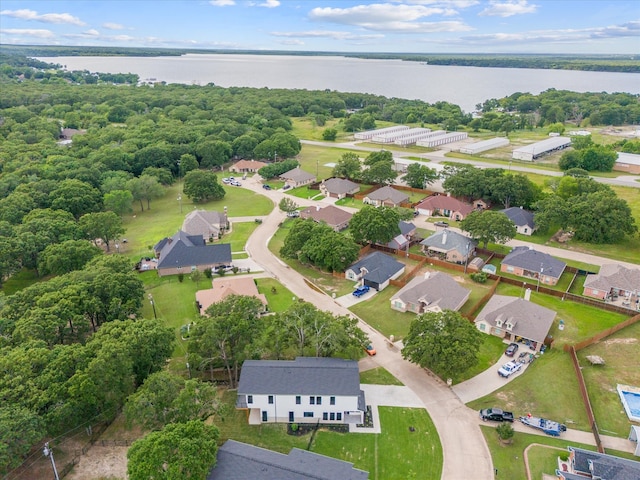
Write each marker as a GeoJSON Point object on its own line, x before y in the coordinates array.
{"type": "Point", "coordinates": [340, 186]}
{"type": "Point", "coordinates": [380, 267]}
{"type": "Point", "coordinates": [302, 376]}
{"type": "Point", "coordinates": [184, 250]}
{"type": "Point", "coordinates": [204, 222]}
{"type": "Point", "coordinates": [613, 275]}
{"type": "Point", "coordinates": [298, 175]}
{"type": "Point", "coordinates": [535, 261]}
{"type": "Point", "coordinates": [387, 193]}
{"type": "Point", "coordinates": [606, 467]}
{"type": "Point", "coordinates": [438, 289]}
{"type": "Point", "coordinates": [447, 240]}
{"type": "Point", "coordinates": [519, 216]}
{"type": "Point", "coordinates": [529, 320]}
{"type": "Point", "coordinates": [239, 461]}
{"type": "Point", "coordinates": [330, 214]}
{"type": "Point", "coordinates": [406, 227]}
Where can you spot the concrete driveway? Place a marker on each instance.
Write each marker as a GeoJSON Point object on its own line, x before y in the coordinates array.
{"type": "Point", "coordinates": [385, 396]}
{"type": "Point", "coordinates": [348, 300]}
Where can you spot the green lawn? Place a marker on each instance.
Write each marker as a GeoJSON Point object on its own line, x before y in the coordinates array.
{"type": "Point", "coordinates": [379, 376]}
{"type": "Point", "coordinates": [240, 233]}
{"type": "Point", "coordinates": [21, 279]}
{"type": "Point", "coordinates": [279, 297]}
{"type": "Point", "coordinates": [491, 350]}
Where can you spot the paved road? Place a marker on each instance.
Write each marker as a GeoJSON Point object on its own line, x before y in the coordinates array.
{"type": "Point", "coordinates": [466, 454]}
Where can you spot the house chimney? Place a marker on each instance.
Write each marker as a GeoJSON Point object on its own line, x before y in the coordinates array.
{"type": "Point", "coordinates": [317, 208]}
{"type": "Point", "coordinates": [427, 275]}
{"type": "Point", "coordinates": [444, 237]}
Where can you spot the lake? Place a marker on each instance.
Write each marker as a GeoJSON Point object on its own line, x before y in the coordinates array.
{"type": "Point", "coordinates": [464, 86]}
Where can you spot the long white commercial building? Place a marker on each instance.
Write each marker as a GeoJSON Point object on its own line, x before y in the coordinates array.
{"type": "Point", "coordinates": [485, 145]}
{"type": "Point", "coordinates": [392, 137]}
{"type": "Point", "coordinates": [442, 139]}
{"type": "Point", "coordinates": [380, 131]}
{"type": "Point", "coordinates": [416, 137]}
{"type": "Point", "coordinates": [529, 153]}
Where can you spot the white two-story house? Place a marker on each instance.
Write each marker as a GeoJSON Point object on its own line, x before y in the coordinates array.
{"type": "Point", "coordinates": [304, 390]}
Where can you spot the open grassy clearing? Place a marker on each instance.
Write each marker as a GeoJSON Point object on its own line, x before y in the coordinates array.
{"type": "Point", "coordinates": [240, 233]}
{"type": "Point", "coordinates": [308, 128]}
{"type": "Point", "coordinates": [379, 376]}
{"type": "Point", "coordinates": [314, 158]}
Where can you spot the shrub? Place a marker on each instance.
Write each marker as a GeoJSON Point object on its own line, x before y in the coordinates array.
{"type": "Point", "coordinates": [505, 431]}
{"type": "Point", "coordinates": [207, 272]}
{"type": "Point", "coordinates": [479, 277]}
{"type": "Point", "coordinates": [181, 277]}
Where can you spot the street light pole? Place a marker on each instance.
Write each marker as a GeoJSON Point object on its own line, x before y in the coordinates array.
{"type": "Point", "coordinates": [540, 275]}
{"type": "Point", "coordinates": [466, 258]}
{"type": "Point", "coordinates": [154, 306]}
{"type": "Point", "coordinates": [48, 452]}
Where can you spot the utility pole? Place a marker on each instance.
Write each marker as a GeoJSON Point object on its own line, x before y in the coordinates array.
{"type": "Point", "coordinates": [48, 452]}
{"type": "Point", "coordinates": [153, 305]}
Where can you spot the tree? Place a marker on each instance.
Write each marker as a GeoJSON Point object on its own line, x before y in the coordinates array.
{"type": "Point", "coordinates": [119, 201]}
{"type": "Point", "coordinates": [213, 153]}
{"type": "Point", "coordinates": [301, 231]}
{"type": "Point", "coordinates": [61, 258]}
{"type": "Point", "coordinates": [178, 451]}
{"type": "Point", "coordinates": [591, 217]}
{"type": "Point", "coordinates": [419, 176]}
{"type": "Point", "coordinates": [348, 166]}
{"type": "Point", "coordinates": [287, 205]}
{"type": "Point", "coordinates": [329, 134]}
{"type": "Point", "coordinates": [330, 250]}
{"type": "Point", "coordinates": [505, 432]}
{"type": "Point", "coordinates": [489, 226]}
{"type": "Point", "coordinates": [465, 181]}
{"type": "Point", "coordinates": [201, 185]}
{"type": "Point", "coordinates": [76, 197]}
{"type": "Point", "coordinates": [164, 175]}
{"type": "Point", "coordinates": [19, 430]}
{"type": "Point", "coordinates": [146, 188]}
{"type": "Point", "coordinates": [106, 226]}
{"type": "Point", "coordinates": [187, 163]}
{"type": "Point", "coordinates": [380, 173]}
{"type": "Point", "coordinates": [374, 225]}
{"type": "Point", "coordinates": [446, 343]}
{"type": "Point", "coordinates": [510, 189]}
{"type": "Point", "coordinates": [274, 169]}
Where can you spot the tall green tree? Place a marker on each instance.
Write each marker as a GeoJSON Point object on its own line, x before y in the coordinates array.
{"type": "Point", "coordinates": [180, 451]}
{"type": "Point", "coordinates": [76, 197]}
{"type": "Point", "coordinates": [61, 258]}
{"type": "Point", "coordinates": [146, 188]}
{"type": "Point", "coordinates": [348, 166]}
{"type": "Point", "coordinates": [374, 225]}
{"type": "Point", "coordinates": [106, 226]}
{"type": "Point", "coordinates": [201, 186]}
{"type": "Point", "coordinates": [330, 250]}
{"type": "Point", "coordinates": [489, 226]}
{"type": "Point", "coordinates": [419, 176]}
{"type": "Point", "coordinates": [119, 201]}
{"type": "Point", "coordinates": [19, 430]}
{"type": "Point", "coordinates": [446, 343]}
{"type": "Point", "coordinates": [287, 205]}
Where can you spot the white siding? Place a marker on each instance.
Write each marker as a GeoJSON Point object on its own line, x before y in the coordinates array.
{"type": "Point", "coordinates": [278, 411]}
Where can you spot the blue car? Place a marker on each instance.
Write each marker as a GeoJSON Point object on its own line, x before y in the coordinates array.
{"type": "Point", "coordinates": [361, 290]}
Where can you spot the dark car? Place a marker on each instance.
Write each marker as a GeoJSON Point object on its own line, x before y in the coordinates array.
{"type": "Point", "coordinates": [496, 414]}
{"type": "Point", "coordinates": [266, 187]}
{"type": "Point", "coordinates": [286, 187]}
{"type": "Point", "coordinates": [441, 224]}
{"type": "Point", "coordinates": [511, 350]}
{"type": "Point", "coordinates": [361, 290]}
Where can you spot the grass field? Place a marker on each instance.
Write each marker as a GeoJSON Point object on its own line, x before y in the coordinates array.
{"type": "Point", "coordinates": [379, 376]}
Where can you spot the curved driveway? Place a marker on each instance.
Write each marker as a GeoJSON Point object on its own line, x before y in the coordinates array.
{"type": "Point", "coordinates": [465, 452]}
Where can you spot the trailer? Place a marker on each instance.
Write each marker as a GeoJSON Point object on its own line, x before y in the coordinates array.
{"type": "Point", "coordinates": [547, 426]}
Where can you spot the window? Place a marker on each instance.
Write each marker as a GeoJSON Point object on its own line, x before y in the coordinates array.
{"type": "Point", "coordinates": [298, 400]}
{"type": "Point", "coordinates": [339, 416]}
{"type": "Point", "coordinates": [249, 398]}
{"type": "Point", "coordinates": [291, 418]}
{"type": "Point", "coordinates": [333, 416]}
{"type": "Point", "coordinates": [318, 400]}
{"type": "Point", "coordinates": [270, 399]}
{"type": "Point", "coordinates": [312, 400]}
{"type": "Point", "coordinates": [510, 269]}
{"type": "Point", "coordinates": [482, 326]}
{"type": "Point", "coordinates": [308, 414]}
{"type": "Point", "coordinates": [264, 416]}
{"type": "Point", "coordinates": [332, 400]}
{"type": "Point", "coordinates": [325, 416]}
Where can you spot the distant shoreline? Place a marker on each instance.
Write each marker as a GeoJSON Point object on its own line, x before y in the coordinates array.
{"type": "Point", "coordinates": [593, 63]}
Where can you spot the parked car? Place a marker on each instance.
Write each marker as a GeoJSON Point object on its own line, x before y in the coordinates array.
{"type": "Point", "coordinates": [286, 187]}
{"type": "Point", "coordinates": [266, 187]}
{"type": "Point", "coordinates": [496, 414]}
{"type": "Point", "coordinates": [511, 350]}
{"type": "Point", "coordinates": [226, 180]}
{"type": "Point", "coordinates": [236, 183]}
{"type": "Point", "coordinates": [294, 214]}
{"type": "Point", "coordinates": [441, 224]}
{"type": "Point", "coordinates": [370, 350]}
{"type": "Point", "coordinates": [509, 369]}
{"type": "Point", "coordinates": [361, 290]}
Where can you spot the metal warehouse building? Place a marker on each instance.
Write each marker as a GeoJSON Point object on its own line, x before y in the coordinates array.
{"type": "Point", "coordinates": [442, 139]}
{"type": "Point", "coordinates": [485, 145]}
{"type": "Point", "coordinates": [530, 152]}
{"type": "Point", "coordinates": [369, 134]}
{"type": "Point", "coordinates": [627, 162]}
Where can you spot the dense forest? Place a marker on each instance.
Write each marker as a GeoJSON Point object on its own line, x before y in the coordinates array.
{"type": "Point", "coordinates": [597, 63]}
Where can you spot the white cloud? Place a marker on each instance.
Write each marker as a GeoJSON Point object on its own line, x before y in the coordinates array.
{"type": "Point", "coordinates": [26, 14]}
{"type": "Point", "coordinates": [335, 35]}
{"type": "Point", "coordinates": [508, 9]}
{"type": "Point", "coordinates": [447, 3]}
{"type": "Point", "coordinates": [270, 4]}
{"type": "Point", "coordinates": [222, 3]}
{"type": "Point", "coordinates": [113, 26]}
{"type": "Point", "coordinates": [29, 32]}
{"type": "Point", "coordinates": [292, 42]}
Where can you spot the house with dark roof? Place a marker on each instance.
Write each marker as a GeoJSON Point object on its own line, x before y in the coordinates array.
{"type": "Point", "coordinates": [584, 464]}
{"type": "Point", "coordinates": [444, 206]}
{"type": "Point", "coordinates": [386, 196]}
{"type": "Point", "coordinates": [305, 390]}
{"type": "Point", "coordinates": [613, 280]}
{"type": "Point", "coordinates": [223, 287]}
{"type": "Point", "coordinates": [403, 241]}
{"type": "Point", "coordinates": [375, 270]}
{"type": "Point", "coordinates": [338, 187]}
{"type": "Point", "coordinates": [514, 318]}
{"type": "Point", "coordinates": [184, 253]}
{"type": "Point", "coordinates": [240, 461]}
{"type": "Point", "coordinates": [207, 223]}
{"type": "Point", "coordinates": [529, 263]}
{"type": "Point", "coordinates": [333, 216]}
{"type": "Point", "coordinates": [450, 246]}
{"type": "Point", "coordinates": [247, 166]}
{"type": "Point", "coordinates": [521, 218]}
{"type": "Point", "coordinates": [434, 292]}
{"type": "Point", "coordinates": [297, 177]}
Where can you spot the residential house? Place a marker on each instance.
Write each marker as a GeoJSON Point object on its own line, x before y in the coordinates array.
{"type": "Point", "coordinates": [338, 187]}
{"type": "Point", "coordinates": [444, 206]}
{"type": "Point", "coordinates": [585, 464]}
{"type": "Point", "coordinates": [515, 319]}
{"type": "Point", "coordinates": [403, 241]}
{"type": "Point", "coordinates": [434, 292]}
{"type": "Point", "coordinates": [207, 223]}
{"type": "Point", "coordinates": [529, 263]}
{"type": "Point", "coordinates": [184, 253]}
{"type": "Point", "coordinates": [247, 166]}
{"type": "Point", "coordinates": [69, 133]}
{"type": "Point", "coordinates": [240, 461]}
{"type": "Point", "coordinates": [305, 390]}
{"type": "Point", "coordinates": [297, 177]}
{"type": "Point", "coordinates": [521, 218]}
{"type": "Point", "coordinates": [375, 270]}
{"type": "Point", "coordinates": [223, 287]}
{"type": "Point", "coordinates": [450, 246]}
{"type": "Point", "coordinates": [386, 196]}
{"type": "Point", "coordinates": [613, 280]}
{"type": "Point", "coordinates": [627, 162]}
{"type": "Point", "coordinates": [333, 216]}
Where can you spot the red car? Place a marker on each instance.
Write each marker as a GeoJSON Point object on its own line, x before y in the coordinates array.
{"type": "Point", "coordinates": [370, 350]}
{"type": "Point", "coordinates": [511, 350]}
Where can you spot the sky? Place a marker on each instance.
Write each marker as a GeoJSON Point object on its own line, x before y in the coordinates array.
{"type": "Point", "coordinates": [399, 26]}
